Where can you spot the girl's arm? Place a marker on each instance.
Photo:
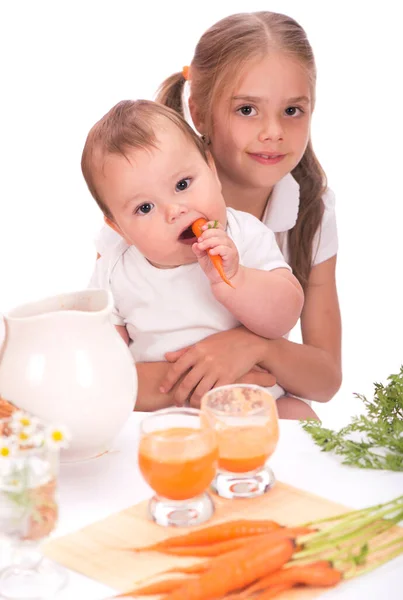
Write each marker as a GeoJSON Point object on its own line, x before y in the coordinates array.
{"type": "Point", "coordinates": [268, 303]}
{"type": "Point", "coordinates": [313, 369]}
{"type": "Point", "coordinates": [149, 397]}
{"type": "Point", "coordinates": [150, 376]}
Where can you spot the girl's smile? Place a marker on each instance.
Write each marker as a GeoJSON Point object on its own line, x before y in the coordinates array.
{"type": "Point", "coordinates": [266, 159]}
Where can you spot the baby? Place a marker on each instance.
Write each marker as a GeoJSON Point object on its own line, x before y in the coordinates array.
{"type": "Point", "coordinates": [152, 178]}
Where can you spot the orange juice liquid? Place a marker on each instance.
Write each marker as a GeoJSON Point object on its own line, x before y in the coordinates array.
{"type": "Point", "coordinates": [243, 449]}
{"type": "Point", "coordinates": [175, 470]}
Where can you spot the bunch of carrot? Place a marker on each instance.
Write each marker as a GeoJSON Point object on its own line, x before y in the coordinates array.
{"type": "Point", "coordinates": [248, 559]}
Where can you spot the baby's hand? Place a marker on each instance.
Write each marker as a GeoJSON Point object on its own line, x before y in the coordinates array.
{"type": "Point", "coordinates": [215, 241]}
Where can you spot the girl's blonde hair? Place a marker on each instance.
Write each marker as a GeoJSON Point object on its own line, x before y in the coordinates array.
{"type": "Point", "coordinates": [130, 124]}
{"type": "Point", "coordinates": [222, 51]}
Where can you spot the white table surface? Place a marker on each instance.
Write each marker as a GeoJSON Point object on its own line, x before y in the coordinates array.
{"type": "Point", "coordinates": [94, 489]}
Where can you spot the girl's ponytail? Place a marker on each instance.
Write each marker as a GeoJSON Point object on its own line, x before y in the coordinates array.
{"type": "Point", "coordinates": [312, 181]}
{"type": "Point", "coordinates": [170, 92]}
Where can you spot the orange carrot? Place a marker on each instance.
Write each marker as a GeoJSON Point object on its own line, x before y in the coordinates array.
{"type": "Point", "coordinates": [318, 577]}
{"type": "Point", "coordinates": [159, 587]}
{"type": "Point", "coordinates": [275, 591]}
{"type": "Point", "coordinates": [237, 569]}
{"type": "Point", "coordinates": [322, 577]}
{"type": "Point", "coordinates": [208, 550]}
{"type": "Point", "coordinates": [221, 532]}
{"type": "Point", "coordinates": [215, 259]}
{"type": "Point", "coordinates": [196, 569]}
{"type": "Point", "coordinates": [318, 573]}
{"type": "Point", "coordinates": [228, 545]}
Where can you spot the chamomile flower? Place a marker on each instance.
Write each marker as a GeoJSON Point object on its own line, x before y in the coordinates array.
{"type": "Point", "coordinates": [57, 437]}
{"type": "Point", "coordinates": [24, 437]}
{"type": "Point", "coordinates": [22, 421]}
{"type": "Point", "coordinates": [6, 447]}
{"type": "Point", "coordinates": [12, 484]}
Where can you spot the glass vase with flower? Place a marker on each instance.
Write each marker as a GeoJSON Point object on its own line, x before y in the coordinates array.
{"type": "Point", "coordinates": [29, 464]}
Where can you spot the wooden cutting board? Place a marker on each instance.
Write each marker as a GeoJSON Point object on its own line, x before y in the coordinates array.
{"type": "Point", "coordinates": [98, 550]}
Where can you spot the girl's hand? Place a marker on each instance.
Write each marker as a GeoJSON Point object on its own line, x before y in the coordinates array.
{"type": "Point", "coordinates": [256, 376]}
{"type": "Point", "coordinates": [222, 358]}
{"type": "Point", "coordinates": [215, 240]}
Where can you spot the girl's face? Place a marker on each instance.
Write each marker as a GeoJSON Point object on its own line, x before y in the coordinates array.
{"type": "Point", "coordinates": [261, 126]}
{"type": "Point", "coordinates": [156, 194]}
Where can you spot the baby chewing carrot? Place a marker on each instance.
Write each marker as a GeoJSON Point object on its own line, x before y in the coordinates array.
{"type": "Point", "coordinates": [215, 259]}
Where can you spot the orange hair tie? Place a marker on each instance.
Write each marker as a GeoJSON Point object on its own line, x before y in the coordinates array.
{"type": "Point", "coordinates": [186, 72]}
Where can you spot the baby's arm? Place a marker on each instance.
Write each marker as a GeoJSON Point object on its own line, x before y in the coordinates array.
{"type": "Point", "coordinates": [267, 300]}
{"type": "Point", "coordinates": [269, 303]}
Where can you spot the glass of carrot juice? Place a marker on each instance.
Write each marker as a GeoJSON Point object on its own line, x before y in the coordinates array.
{"type": "Point", "coordinates": [246, 422]}
{"type": "Point", "coordinates": [178, 456]}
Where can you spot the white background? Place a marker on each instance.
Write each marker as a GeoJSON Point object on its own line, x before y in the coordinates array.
{"type": "Point", "coordinates": [64, 64]}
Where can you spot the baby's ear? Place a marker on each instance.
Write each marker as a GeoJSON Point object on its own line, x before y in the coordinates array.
{"type": "Point", "coordinates": [113, 225]}
{"type": "Point", "coordinates": [116, 228]}
{"type": "Point", "coordinates": [194, 113]}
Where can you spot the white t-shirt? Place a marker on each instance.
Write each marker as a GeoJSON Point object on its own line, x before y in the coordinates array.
{"type": "Point", "coordinates": [167, 309]}
{"type": "Point", "coordinates": [282, 212]}
{"type": "Point", "coordinates": [280, 216]}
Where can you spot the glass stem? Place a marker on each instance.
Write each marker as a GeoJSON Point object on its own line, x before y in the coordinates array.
{"type": "Point", "coordinates": [26, 555]}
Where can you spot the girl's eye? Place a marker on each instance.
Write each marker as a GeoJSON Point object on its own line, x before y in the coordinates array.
{"type": "Point", "coordinates": [291, 111]}
{"type": "Point", "coordinates": [183, 184]}
{"type": "Point", "coordinates": [247, 111]}
{"type": "Point", "coordinates": [144, 209]}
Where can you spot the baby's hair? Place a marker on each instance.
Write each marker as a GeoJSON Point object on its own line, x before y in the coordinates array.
{"type": "Point", "coordinates": [130, 124]}
{"type": "Point", "coordinates": [222, 51]}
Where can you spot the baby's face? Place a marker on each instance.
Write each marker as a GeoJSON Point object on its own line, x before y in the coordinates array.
{"type": "Point", "coordinates": [156, 194]}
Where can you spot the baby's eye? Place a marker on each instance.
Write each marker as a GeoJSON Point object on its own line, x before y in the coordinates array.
{"type": "Point", "coordinates": [247, 110]}
{"type": "Point", "coordinates": [291, 111]}
{"type": "Point", "coordinates": [183, 184]}
{"type": "Point", "coordinates": [144, 209]}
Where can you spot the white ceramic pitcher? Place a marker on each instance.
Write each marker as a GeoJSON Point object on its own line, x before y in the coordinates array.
{"type": "Point", "coordinates": [63, 361]}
